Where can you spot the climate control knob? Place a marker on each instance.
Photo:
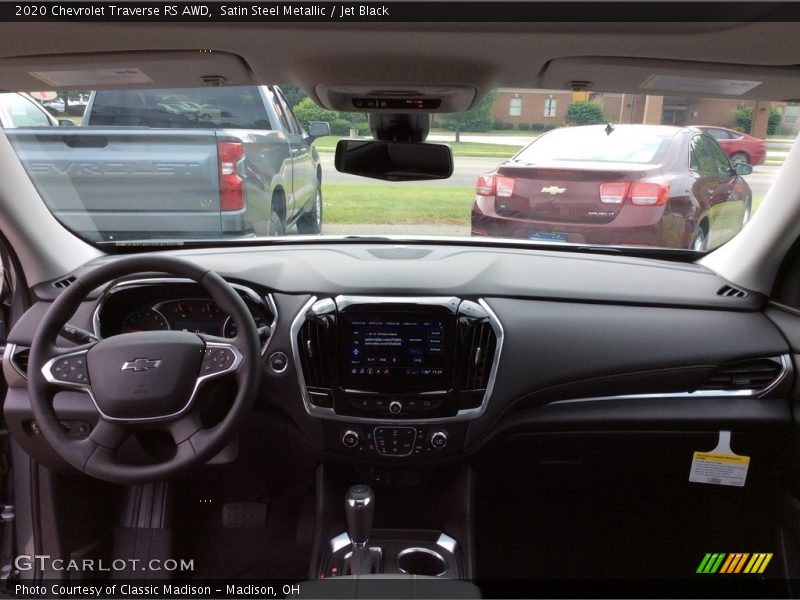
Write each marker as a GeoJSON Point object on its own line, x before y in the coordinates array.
{"type": "Point", "coordinates": [438, 440]}
{"type": "Point", "coordinates": [395, 407]}
{"type": "Point", "coordinates": [350, 438]}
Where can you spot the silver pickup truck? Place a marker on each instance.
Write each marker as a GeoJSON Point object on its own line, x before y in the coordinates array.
{"type": "Point", "coordinates": [190, 163]}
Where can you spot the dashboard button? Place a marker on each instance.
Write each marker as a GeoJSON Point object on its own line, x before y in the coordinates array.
{"type": "Point", "coordinates": [395, 441]}
{"type": "Point", "coordinates": [71, 369]}
{"type": "Point", "coordinates": [216, 360]}
{"type": "Point", "coordinates": [395, 407]}
{"type": "Point", "coordinates": [278, 361]}
{"type": "Point", "coordinates": [438, 440]}
{"type": "Point", "coordinates": [350, 438]}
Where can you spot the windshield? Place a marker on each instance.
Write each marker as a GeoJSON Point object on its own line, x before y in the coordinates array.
{"type": "Point", "coordinates": [530, 166]}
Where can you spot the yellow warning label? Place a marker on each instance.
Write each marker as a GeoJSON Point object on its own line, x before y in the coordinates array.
{"type": "Point", "coordinates": [724, 458]}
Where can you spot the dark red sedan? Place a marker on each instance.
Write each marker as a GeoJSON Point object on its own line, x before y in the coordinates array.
{"type": "Point", "coordinates": [740, 147]}
{"type": "Point", "coordinates": [644, 185]}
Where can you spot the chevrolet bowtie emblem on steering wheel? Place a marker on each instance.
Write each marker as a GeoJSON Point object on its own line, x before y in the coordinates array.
{"type": "Point", "coordinates": [141, 364]}
{"type": "Point", "coordinates": [553, 190]}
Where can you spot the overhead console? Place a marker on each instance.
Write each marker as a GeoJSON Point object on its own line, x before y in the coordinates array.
{"type": "Point", "coordinates": [395, 369]}
{"type": "Point", "coordinates": [381, 98]}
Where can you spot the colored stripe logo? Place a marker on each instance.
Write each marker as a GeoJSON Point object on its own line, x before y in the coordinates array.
{"type": "Point", "coordinates": [734, 563]}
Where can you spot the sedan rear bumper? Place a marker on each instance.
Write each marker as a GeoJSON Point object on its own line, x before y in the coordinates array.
{"type": "Point", "coordinates": [634, 225]}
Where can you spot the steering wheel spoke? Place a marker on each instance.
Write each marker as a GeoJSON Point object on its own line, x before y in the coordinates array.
{"type": "Point", "coordinates": [184, 427]}
{"type": "Point", "coordinates": [108, 434]}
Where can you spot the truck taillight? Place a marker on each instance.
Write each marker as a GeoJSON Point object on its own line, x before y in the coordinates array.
{"type": "Point", "coordinates": [231, 185]}
{"type": "Point", "coordinates": [495, 185]}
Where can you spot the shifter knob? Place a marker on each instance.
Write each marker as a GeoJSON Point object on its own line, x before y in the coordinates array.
{"type": "Point", "coordinates": [359, 507]}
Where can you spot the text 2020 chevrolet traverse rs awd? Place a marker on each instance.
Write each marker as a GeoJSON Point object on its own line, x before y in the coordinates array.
{"type": "Point", "coordinates": [394, 407]}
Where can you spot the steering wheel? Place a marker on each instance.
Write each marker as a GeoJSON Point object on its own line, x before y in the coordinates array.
{"type": "Point", "coordinates": [142, 380]}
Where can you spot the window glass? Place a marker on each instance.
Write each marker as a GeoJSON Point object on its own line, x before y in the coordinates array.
{"type": "Point", "coordinates": [23, 112]}
{"type": "Point", "coordinates": [515, 107]}
{"type": "Point", "coordinates": [196, 108]}
{"type": "Point", "coordinates": [550, 107]}
{"type": "Point", "coordinates": [594, 144]}
{"type": "Point", "coordinates": [722, 165]}
{"type": "Point", "coordinates": [719, 134]}
{"type": "Point", "coordinates": [294, 126]}
{"type": "Point", "coordinates": [281, 113]}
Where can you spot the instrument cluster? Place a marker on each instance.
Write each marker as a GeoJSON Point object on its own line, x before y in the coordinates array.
{"type": "Point", "coordinates": [177, 307]}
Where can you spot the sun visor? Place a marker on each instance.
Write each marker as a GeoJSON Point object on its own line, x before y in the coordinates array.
{"type": "Point", "coordinates": [186, 68]}
{"type": "Point", "coordinates": [672, 78]}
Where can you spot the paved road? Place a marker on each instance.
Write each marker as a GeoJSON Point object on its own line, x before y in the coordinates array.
{"type": "Point", "coordinates": [761, 179]}
{"type": "Point", "coordinates": [466, 171]}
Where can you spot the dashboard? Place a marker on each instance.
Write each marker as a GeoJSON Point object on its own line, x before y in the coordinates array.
{"type": "Point", "coordinates": [379, 353]}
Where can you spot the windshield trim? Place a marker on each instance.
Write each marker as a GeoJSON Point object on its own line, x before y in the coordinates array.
{"type": "Point", "coordinates": [647, 252]}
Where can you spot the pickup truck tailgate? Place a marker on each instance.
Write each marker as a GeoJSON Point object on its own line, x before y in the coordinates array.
{"type": "Point", "coordinates": [125, 180]}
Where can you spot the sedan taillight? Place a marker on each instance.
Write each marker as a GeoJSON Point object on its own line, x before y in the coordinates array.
{"type": "Point", "coordinates": [647, 193]}
{"type": "Point", "coordinates": [495, 185]}
{"type": "Point", "coordinates": [613, 193]}
{"type": "Point", "coordinates": [640, 193]}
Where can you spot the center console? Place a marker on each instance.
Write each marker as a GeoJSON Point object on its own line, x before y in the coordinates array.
{"type": "Point", "coordinates": [395, 382]}
{"type": "Point", "coordinates": [396, 377]}
{"type": "Point", "coordinates": [420, 528]}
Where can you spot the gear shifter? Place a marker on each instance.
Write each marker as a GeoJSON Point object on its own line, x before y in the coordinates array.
{"type": "Point", "coordinates": [359, 507]}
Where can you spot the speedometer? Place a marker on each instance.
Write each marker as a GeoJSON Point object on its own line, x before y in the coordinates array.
{"type": "Point", "coordinates": [144, 320]}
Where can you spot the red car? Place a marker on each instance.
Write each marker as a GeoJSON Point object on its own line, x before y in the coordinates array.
{"type": "Point", "coordinates": [645, 185]}
{"type": "Point", "coordinates": [740, 147]}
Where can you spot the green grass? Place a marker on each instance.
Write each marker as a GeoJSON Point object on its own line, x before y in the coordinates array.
{"type": "Point", "coordinates": [481, 149]}
{"type": "Point", "coordinates": [460, 149]}
{"type": "Point", "coordinates": [402, 205]}
{"type": "Point", "coordinates": [510, 132]}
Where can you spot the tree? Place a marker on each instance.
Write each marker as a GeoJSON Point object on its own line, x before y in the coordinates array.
{"type": "Point", "coordinates": [743, 117]}
{"type": "Point", "coordinates": [585, 112]}
{"type": "Point", "coordinates": [294, 94]}
{"type": "Point", "coordinates": [307, 110]}
{"type": "Point", "coordinates": [478, 119]}
{"type": "Point", "coordinates": [67, 96]}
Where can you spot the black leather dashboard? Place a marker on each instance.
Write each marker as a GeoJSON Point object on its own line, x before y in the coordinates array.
{"type": "Point", "coordinates": [586, 338]}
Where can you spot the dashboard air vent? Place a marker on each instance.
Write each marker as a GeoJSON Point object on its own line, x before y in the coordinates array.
{"type": "Point", "coordinates": [19, 359]}
{"type": "Point", "coordinates": [315, 339]}
{"type": "Point", "coordinates": [752, 374]}
{"type": "Point", "coordinates": [64, 283]}
{"type": "Point", "coordinates": [728, 291]}
{"type": "Point", "coordinates": [481, 346]}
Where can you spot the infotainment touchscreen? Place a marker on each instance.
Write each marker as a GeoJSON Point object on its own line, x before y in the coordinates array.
{"type": "Point", "coordinates": [396, 352]}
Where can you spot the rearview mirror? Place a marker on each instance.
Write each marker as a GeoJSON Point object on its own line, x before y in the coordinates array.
{"type": "Point", "coordinates": [742, 169]}
{"type": "Point", "coordinates": [394, 161]}
{"type": "Point", "coordinates": [318, 129]}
